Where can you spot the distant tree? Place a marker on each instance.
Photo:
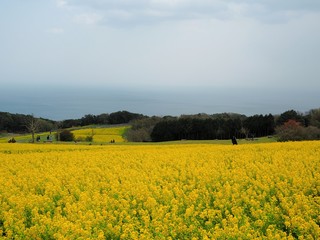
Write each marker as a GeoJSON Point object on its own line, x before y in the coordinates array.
{"type": "Point", "coordinates": [293, 130]}
{"type": "Point", "coordinates": [166, 130]}
{"type": "Point", "coordinates": [184, 128]}
{"type": "Point", "coordinates": [141, 129]}
{"type": "Point", "coordinates": [269, 124]}
{"type": "Point", "coordinates": [102, 118]}
{"type": "Point", "coordinates": [245, 132]}
{"type": "Point", "coordinates": [88, 120]}
{"type": "Point", "coordinates": [17, 123]}
{"type": "Point", "coordinates": [5, 121]}
{"type": "Point", "coordinates": [198, 128]}
{"type": "Point", "coordinates": [57, 127]}
{"type": "Point", "coordinates": [123, 117]}
{"type": "Point", "coordinates": [314, 116]}
{"type": "Point", "coordinates": [32, 124]}
{"type": "Point", "coordinates": [138, 135]}
{"type": "Point", "coordinates": [312, 133]}
{"type": "Point", "coordinates": [259, 125]}
{"type": "Point", "coordinates": [65, 136]}
{"type": "Point", "coordinates": [290, 115]}
{"type": "Point", "coordinates": [289, 131]}
{"type": "Point", "coordinates": [68, 123]}
{"type": "Point", "coordinates": [45, 125]}
{"type": "Point", "coordinates": [234, 127]}
{"type": "Point", "coordinates": [220, 129]}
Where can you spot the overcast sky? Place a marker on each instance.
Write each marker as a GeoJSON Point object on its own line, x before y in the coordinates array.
{"type": "Point", "coordinates": [265, 47]}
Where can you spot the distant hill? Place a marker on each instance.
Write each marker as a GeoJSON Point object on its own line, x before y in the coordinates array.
{"type": "Point", "coordinates": [143, 128]}
{"type": "Point", "coordinates": [17, 123]}
{"type": "Point", "coordinates": [86, 134]}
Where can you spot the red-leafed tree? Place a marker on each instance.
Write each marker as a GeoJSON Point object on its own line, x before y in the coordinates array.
{"type": "Point", "coordinates": [292, 124]}
{"type": "Point", "coordinates": [293, 130]}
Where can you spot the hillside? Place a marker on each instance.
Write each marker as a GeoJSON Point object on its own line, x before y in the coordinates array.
{"type": "Point", "coordinates": [86, 134]}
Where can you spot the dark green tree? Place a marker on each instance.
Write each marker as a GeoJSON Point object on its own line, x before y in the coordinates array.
{"type": "Point", "coordinates": [314, 116]}
{"type": "Point", "coordinates": [289, 115]}
{"type": "Point", "coordinates": [65, 136]}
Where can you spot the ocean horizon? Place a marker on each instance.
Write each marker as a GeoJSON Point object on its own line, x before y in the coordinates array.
{"type": "Point", "coordinates": [71, 103]}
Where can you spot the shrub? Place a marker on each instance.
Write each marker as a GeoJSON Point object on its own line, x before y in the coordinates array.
{"type": "Point", "coordinates": [66, 136]}
{"type": "Point", "coordinates": [293, 131]}
{"type": "Point", "coordinates": [89, 138]}
{"type": "Point", "coordinates": [138, 135]}
{"type": "Point", "coordinates": [141, 129]}
{"type": "Point", "coordinates": [312, 133]}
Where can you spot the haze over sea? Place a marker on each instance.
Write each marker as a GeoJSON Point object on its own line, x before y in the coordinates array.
{"type": "Point", "coordinates": [59, 103]}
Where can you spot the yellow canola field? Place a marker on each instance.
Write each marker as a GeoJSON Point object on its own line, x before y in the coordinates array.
{"type": "Point", "coordinates": [198, 191]}
{"type": "Point", "coordinates": [101, 134]}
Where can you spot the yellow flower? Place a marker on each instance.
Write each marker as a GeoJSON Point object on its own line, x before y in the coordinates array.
{"type": "Point", "coordinates": [160, 191]}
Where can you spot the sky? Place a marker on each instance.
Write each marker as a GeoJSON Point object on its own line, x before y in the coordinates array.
{"type": "Point", "coordinates": [65, 58]}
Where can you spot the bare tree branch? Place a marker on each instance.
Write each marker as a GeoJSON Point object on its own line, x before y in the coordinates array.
{"type": "Point", "coordinates": [32, 125]}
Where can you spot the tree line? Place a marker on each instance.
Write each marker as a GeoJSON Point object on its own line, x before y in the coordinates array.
{"type": "Point", "coordinates": [288, 125]}
{"type": "Point", "coordinates": [19, 123]}
{"type": "Point", "coordinates": [212, 128]}
{"type": "Point", "coordinates": [227, 125]}
{"type": "Point", "coordinates": [119, 117]}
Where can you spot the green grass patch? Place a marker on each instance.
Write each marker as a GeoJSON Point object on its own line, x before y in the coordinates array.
{"type": "Point", "coordinates": [102, 134]}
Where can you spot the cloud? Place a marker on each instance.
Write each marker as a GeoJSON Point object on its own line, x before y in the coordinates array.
{"type": "Point", "coordinates": [289, 5]}
{"type": "Point", "coordinates": [200, 7]}
{"type": "Point", "coordinates": [142, 12]}
{"type": "Point", "coordinates": [55, 30]}
{"type": "Point", "coordinates": [61, 3]}
{"type": "Point", "coordinates": [88, 18]}
{"type": "Point", "coordinates": [119, 14]}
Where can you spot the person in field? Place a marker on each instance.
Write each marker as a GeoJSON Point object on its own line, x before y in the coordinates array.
{"type": "Point", "coordinates": [234, 140]}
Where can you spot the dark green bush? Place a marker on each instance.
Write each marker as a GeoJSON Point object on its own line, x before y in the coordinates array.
{"type": "Point", "coordinates": [66, 136]}
{"type": "Point", "coordinates": [89, 138]}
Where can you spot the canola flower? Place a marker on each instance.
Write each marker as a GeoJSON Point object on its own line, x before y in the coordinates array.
{"type": "Point", "coordinates": [198, 191]}
{"type": "Point", "coordinates": [101, 134]}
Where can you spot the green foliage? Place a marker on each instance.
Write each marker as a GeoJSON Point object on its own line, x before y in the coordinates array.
{"type": "Point", "coordinates": [48, 234]}
{"type": "Point", "coordinates": [2, 228]}
{"type": "Point", "coordinates": [66, 136]}
{"type": "Point", "coordinates": [89, 138]}
{"type": "Point", "coordinates": [196, 127]}
{"type": "Point", "coordinates": [28, 217]}
{"type": "Point", "coordinates": [314, 116]}
{"type": "Point", "coordinates": [138, 135]}
{"type": "Point", "coordinates": [258, 126]}
{"type": "Point", "coordinates": [187, 128]}
{"type": "Point", "coordinates": [123, 117]}
{"type": "Point", "coordinates": [141, 129]}
{"type": "Point", "coordinates": [16, 123]}
{"type": "Point", "coordinates": [289, 115]}
{"type": "Point", "coordinates": [293, 131]}
{"type": "Point", "coordinates": [45, 125]}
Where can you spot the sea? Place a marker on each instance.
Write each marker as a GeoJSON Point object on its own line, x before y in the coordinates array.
{"type": "Point", "coordinates": [60, 103]}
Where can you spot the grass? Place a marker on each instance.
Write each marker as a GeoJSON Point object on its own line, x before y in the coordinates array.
{"type": "Point", "coordinates": [106, 133]}
{"type": "Point", "coordinates": [24, 138]}
{"type": "Point", "coordinates": [217, 141]}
